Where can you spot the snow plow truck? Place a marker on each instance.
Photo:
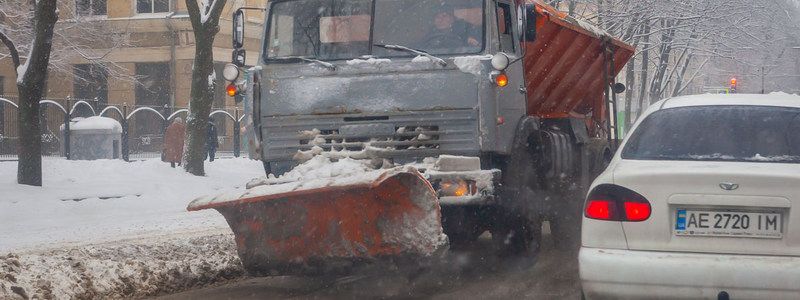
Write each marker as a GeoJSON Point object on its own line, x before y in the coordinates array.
{"type": "Point", "coordinates": [460, 117]}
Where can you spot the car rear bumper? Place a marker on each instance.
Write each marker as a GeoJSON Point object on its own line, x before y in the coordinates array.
{"type": "Point", "coordinates": [615, 274]}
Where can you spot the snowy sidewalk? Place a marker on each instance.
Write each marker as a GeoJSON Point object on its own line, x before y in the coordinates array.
{"type": "Point", "coordinates": [84, 202]}
{"type": "Point", "coordinates": [111, 228]}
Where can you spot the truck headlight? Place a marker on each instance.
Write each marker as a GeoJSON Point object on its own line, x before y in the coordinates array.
{"type": "Point", "coordinates": [230, 72]}
{"type": "Point", "coordinates": [455, 187]}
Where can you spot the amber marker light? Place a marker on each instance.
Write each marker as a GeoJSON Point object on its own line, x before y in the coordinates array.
{"type": "Point", "coordinates": [501, 80]}
{"type": "Point", "coordinates": [231, 89]}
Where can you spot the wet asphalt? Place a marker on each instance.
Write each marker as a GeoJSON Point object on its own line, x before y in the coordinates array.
{"type": "Point", "coordinates": [472, 272]}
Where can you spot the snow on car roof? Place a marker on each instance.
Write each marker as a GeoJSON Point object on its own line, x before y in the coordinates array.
{"type": "Point", "coordinates": [772, 99]}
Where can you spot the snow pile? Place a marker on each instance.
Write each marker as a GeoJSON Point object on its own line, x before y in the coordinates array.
{"type": "Point", "coordinates": [319, 171]}
{"type": "Point", "coordinates": [96, 123]}
{"type": "Point", "coordinates": [121, 270]}
{"type": "Point", "coordinates": [597, 31]}
{"type": "Point", "coordinates": [421, 59]}
{"type": "Point", "coordinates": [112, 229]}
{"type": "Point", "coordinates": [715, 156]}
{"type": "Point", "coordinates": [472, 64]}
{"type": "Point", "coordinates": [774, 158]}
{"type": "Point", "coordinates": [784, 94]}
{"type": "Point", "coordinates": [369, 61]}
{"type": "Point", "coordinates": [22, 69]}
{"type": "Point", "coordinates": [211, 78]}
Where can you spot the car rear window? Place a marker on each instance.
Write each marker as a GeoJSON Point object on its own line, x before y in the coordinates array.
{"type": "Point", "coordinates": [718, 133]}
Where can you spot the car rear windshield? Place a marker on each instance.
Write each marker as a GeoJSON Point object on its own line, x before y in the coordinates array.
{"type": "Point", "coordinates": [718, 133]}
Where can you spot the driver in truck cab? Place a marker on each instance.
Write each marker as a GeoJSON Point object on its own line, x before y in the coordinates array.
{"type": "Point", "coordinates": [449, 32]}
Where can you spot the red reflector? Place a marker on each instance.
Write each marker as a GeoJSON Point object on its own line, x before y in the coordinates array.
{"type": "Point", "coordinates": [636, 211]}
{"type": "Point", "coordinates": [231, 90]}
{"type": "Point", "coordinates": [599, 209]}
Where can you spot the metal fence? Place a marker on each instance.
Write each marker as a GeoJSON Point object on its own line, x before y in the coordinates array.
{"type": "Point", "coordinates": [143, 127]}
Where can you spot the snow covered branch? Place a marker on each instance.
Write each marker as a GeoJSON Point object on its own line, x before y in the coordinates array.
{"type": "Point", "coordinates": [12, 49]}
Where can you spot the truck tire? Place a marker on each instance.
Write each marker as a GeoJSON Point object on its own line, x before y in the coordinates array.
{"type": "Point", "coordinates": [517, 238]}
{"type": "Point", "coordinates": [567, 213]}
{"type": "Point", "coordinates": [461, 225]}
{"type": "Point", "coordinates": [516, 229]}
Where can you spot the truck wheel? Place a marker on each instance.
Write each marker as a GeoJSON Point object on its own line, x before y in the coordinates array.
{"type": "Point", "coordinates": [565, 218]}
{"type": "Point", "coordinates": [461, 226]}
{"type": "Point", "coordinates": [517, 238]}
{"type": "Point", "coordinates": [517, 226]}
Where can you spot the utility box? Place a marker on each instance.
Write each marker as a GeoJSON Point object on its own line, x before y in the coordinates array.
{"type": "Point", "coordinates": [94, 138]}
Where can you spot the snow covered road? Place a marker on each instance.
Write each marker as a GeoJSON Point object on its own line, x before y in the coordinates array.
{"type": "Point", "coordinates": [472, 273]}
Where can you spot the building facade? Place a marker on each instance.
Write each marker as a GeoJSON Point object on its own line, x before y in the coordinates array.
{"type": "Point", "coordinates": [153, 68]}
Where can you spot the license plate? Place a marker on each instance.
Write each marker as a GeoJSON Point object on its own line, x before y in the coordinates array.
{"type": "Point", "coordinates": [728, 223]}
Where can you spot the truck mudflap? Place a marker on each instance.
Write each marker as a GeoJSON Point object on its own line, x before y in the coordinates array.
{"type": "Point", "coordinates": [331, 229]}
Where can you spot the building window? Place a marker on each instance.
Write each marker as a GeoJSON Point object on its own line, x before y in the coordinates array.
{"type": "Point", "coordinates": [152, 90]}
{"type": "Point", "coordinates": [90, 7]}
{"type": "Point", "coordinates": [90, 82]}
{"type": "Point", "coordinates": [152, 6]}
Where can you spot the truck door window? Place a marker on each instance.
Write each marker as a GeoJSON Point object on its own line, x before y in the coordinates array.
{"type": "Point", "coordinates": [320, 29]}
{"type": "Point", "coordinates": [504, 27]}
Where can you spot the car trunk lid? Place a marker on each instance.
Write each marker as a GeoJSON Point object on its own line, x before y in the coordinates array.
{"type": "Point", "coordinates": [737, 188]}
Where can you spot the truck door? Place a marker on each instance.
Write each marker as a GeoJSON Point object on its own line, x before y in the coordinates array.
{"type": "Point", "coordinates": [511, 98]}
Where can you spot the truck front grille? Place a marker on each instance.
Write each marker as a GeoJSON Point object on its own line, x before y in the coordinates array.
{"type": "Point", "coordinates": [406, 134]}
{"type": "Point", "coordinates": [404, 138]}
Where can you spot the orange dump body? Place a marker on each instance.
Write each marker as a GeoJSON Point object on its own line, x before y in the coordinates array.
{"type": "Point", "coordinates": [564, 65]}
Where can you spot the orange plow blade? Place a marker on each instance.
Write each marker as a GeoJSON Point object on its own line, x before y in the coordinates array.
{"type": "Point", "coordinates": [334, 228]}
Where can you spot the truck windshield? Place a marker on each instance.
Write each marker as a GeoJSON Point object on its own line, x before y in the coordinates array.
{"type": "Point", "coordinates": [337, 29]}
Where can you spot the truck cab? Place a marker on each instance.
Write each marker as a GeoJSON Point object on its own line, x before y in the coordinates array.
{"type": "Point", "coordinates": [416, 66]}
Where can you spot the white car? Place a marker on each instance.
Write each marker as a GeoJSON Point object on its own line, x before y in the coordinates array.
{"type": "Point", "coordinates": [702, 200]}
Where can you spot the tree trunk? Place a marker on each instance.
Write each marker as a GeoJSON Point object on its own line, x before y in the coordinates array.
{"type": "Point", "coordinates": [31, 88]}
{"type": "Point", "coordinates": [667, 37]}
{"type": "Point", "coordinates": [630, 80]}
{"type": "Point", "coordinates": [202, 93]}
{"type": "Point", "coordinates": [202, 97]}
{"type": "Point", "coordinates": [645, 62]}
{"type": "Point", "coordinates": [681, 74]}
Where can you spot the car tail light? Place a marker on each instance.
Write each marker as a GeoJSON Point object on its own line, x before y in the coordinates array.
{"type": "Point", "coordinates": [636, 211]}
{"type": "Point", "coordinates": [599, 209]}
{"type": "Point", "coordinates": [615, 203]}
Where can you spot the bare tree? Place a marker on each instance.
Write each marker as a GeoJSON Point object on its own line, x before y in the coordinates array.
{"type": "Point", "coordinates": [681, 41]}
{"type": "Point", "coordinates": [205, 23]}
{"type": "Point", "coordinates": [31, 77]}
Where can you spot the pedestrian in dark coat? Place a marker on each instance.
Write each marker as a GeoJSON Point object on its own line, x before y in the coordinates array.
{"type": "Point", "coordinates": [173, 142]}
{"type": "Point", "coordinates": [211, 141]}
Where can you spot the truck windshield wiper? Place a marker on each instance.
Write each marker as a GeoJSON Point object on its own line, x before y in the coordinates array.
{"type": "Point", "coordinates": [440, 61]}
{"type": "Point", "coordinates": [325, 64]}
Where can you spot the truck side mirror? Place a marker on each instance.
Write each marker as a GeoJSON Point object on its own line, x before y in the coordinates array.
{"type": "Point", "coordinates": [530, 22]}
{"type": "Point", "coordinates": [238, 29]}
{"type": "Point", "coordinates": [618, 88]}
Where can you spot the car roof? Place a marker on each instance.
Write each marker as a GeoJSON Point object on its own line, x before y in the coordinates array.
{"type": "Point", "coordinates": [772, 99]}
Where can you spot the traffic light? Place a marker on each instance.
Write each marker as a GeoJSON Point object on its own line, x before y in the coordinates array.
{"type": "Point", "coordinates": [733, 85]}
